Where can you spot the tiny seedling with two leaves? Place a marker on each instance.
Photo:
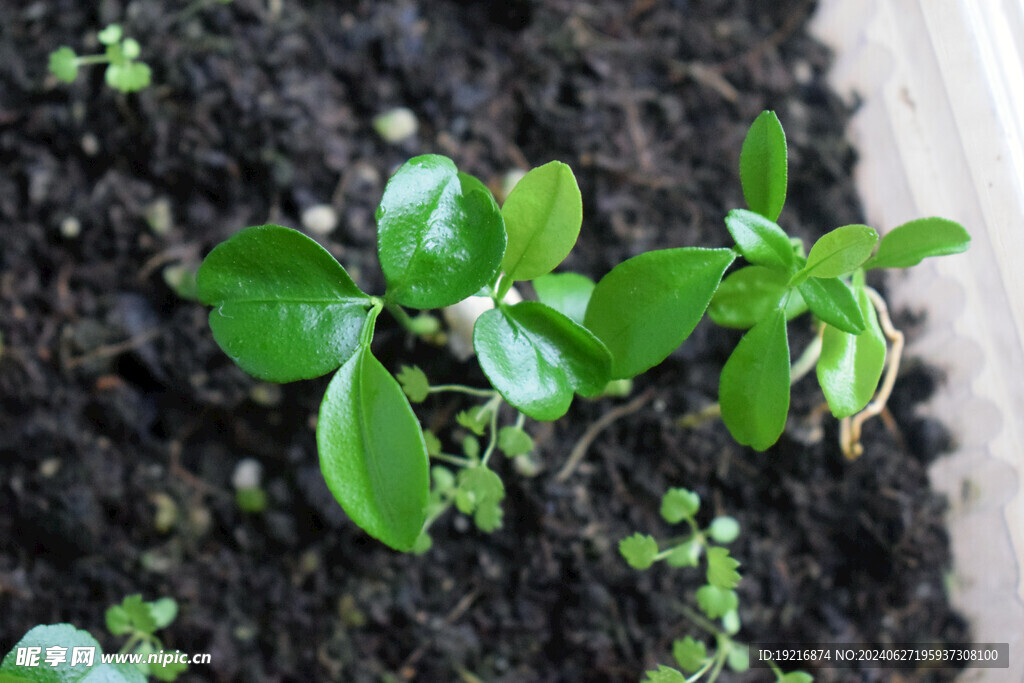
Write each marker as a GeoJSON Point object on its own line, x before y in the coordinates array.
{"type": "Point", "coordinates": [55, 646]}
{"type": "Point", "coordinates": [717, 599]}
{"type": "Point", "coordinates": [125, 72]}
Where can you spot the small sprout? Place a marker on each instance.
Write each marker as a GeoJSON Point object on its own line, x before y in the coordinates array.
{"type": "Point", "coordinates": [724, 529]}
{"type": "Point", "coordinates": [396, 125]}
{"type": "Point", "coordinates": [689, 654]}
{"type": "Point", "coordinates": [639, 550]}
{"type": "Point", "coordinates": [64, 64]}
{"type": "Point", "coordinates": [110, 35]}
{"type": "Point", "coordinates": [251, 500]}
{"type": "Point", "coordinates": [166, 512]}
{"type": "Point", "coordinates": [686, 555]}
{"type": "Point", "coordinates": [722, 568]}
{"type": "Point", "coordinates": [159, 216]}
{"type": "Point", "coordinates": [124, 72]}
{"type": "Point", "coordinates": [249, 495]}
{"type": "Point", "coordinates": [716, 602]}
{"type": "Point", "coordinates": [679, 504]}
{"type": "Point", "coordinates": [414, 383]}
{"type": "Point", "coordinates": [480, 493]}
{"type": "Point", "coordinates": [474, 419]}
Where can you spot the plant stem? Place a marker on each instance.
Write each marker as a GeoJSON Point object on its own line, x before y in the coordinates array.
{"type": "Point", "coordinates": [460, 389]}
{"type": "Point", "coordinates": [453, 459]}
{"type": "Point", "coordinates": [493, 406]}
{"type": "Point", "coordinates": [580, 449]}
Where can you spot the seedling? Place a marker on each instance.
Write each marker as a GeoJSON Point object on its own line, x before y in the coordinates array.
{"type": "Point", "coordinates": [284, 309]}
{"type": "Point", "coordinates": [717, 599]}
{"type": "Point", "coordinates": [61, 653]}
{"type": "Point", "coordinates": [124, 70]}
{"type": "Point", "coordinates": [783, 281]}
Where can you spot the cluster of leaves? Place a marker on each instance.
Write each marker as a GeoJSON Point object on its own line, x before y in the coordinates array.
{"type": "Point", "coordinates": [124, 70]}
{"type": "Point", "coordinates": [285, 309]}
{"type": "Point", "coordinates": [134, 618]}
{"type": "Point", "coordinates": [717, 599]}
{"type": "Point", "coordinates": [782, 281]}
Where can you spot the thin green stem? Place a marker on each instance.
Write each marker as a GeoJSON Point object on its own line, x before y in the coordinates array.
{"type": "Point", "coordinates": [92, 59]}
{"type": "Point", "coordinates": [701, 671]}
{"type": "Point", "coordinates": [453, 459]}
{"type": "Point", "coordinates": [492, 406]}
{"type": "Point", "coordinates": [501, 288]}
{"type": "Point", "coordinates": [460, 389]}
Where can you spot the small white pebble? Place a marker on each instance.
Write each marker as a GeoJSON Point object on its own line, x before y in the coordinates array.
{"type": "Point", "coordinates": [396, 124]}
{"type": "Point", "coordinates": [158, 215]}
{"type": "Point", "coordinates": [70, 228]}
{"type": "Point", "coordinates": [509, 181]}
{"type": "Point", "coordinates": [90, 145]}
{"type": "Point", "coordinates": [247, 474]}
{"type": "Point", "coordinates": [320, 219]}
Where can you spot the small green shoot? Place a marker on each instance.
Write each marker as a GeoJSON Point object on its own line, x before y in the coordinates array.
{"type": "Point", "coordinates": [125, 72]}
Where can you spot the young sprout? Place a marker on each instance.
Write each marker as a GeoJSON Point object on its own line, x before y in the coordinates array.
{"type": "Point", "coordinates": [125, 72]}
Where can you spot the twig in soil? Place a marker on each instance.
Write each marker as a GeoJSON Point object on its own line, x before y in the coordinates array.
{"type": "Point", "coordinates": [580, 449]}
{"type": "Point", "coordinates": [109, 350]}
{"type": "Point", "coordinates": [850, 427]}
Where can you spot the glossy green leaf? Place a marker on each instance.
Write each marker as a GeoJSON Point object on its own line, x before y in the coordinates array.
{"type": "Point", "coordinates": [536, 358]}
{"type": "Point", "coordinates": [440, 235]}
{"type": "Point", "coordinates": [69, 637]}
{"type": "Point", "coordinates": [567, 293]}
{"type": "Point", "coordinates": [648, 305]}
{"type": "Point", "coordinates": [763, 166]}
{"type": "Point", "coordinates": [839, 252]}
{"type": "Point", "coordinates": [760, 240]}
{"type": "Point", "coordinates": [831, 300]}
{"type": "Point", "coordinates": [284, 308]}
{"type": "Point", "coordinates": [747, 295]}
{"type": "Point", "coordinates": [372, 452]}
{"type": "Point", "coordinates": [753, 389]}
{"type": "Point", "coordinates": [543, 215]}
{"type": "Point", "coordinates": [850, 366]}
{"type": "Point", "coordinates": [639, 550]}
{"type": "Point", "coordinates": [911, 242]}
{"type": "Point", "coordinates": [689, 654]}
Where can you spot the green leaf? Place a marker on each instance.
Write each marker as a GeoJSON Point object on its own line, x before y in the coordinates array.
{"type": "Point", "coordinates": [169, 671]}
{"type": "Point", "coordinates": [64, 64]}
{"type": "Point", "coordinates": [796, 677]}
{"type": "Point", "coordinates": [639, 550]}
{"type": "Point", "coordinates": [664, 674]}
{"type": "Point", "coordinates": [753, 389]}
{"type": "Point", "coordinates": [749, 294]}
{"type": "Point", "coordinates": [514, 441]}
{"type": "Point", "coordinates": [69, 637]}
{"type": "Point", "coordinates": [763, 166]}
{"type": "Point", "coordinates": [440, 235]}
{"type": "Point", "coordinates": [689, 654]}
{"type": "Point", "coordinates": [284, 309]}
{"type": "Point", "coordinates": [678, 504]}
{"type": "Point", "coordinates": [722, 568]}
{"type": "Point", "coordinates": [128, 76]}
{"type": "Point", "coordinates": [648, 305]}
{"type": "Point", "coordinates": [117, 620]}
{"type": "Point", "coordinates": [685, 555]}
{"type": "Point", "coordinates": [372, 453]}
{"type": "Point", "coordinates": [110, 35]}
{"type": "Point", "coordinates": [739, 657]}
{"type": "Point", "coordinates": [850, 366]}
{"type": "Point", "coordinates": [831, 300]}
{"type": "Point", "coordinates": [536, 358]}
{"type": "Point", "coordinates": [414, 383]}
{"type": "Point", "coordinates": [543, 215]}
{"type": "Point", "coordinates": [838, 252]}
{"type": "Point", "coordinates": [715, 602]}
{"type": "Point", "coordinates": [474, 419]}
{"type": "Point", "coordinates": [432, 443]}
{"type": "Point", "coordinates": [760, 240]}
{"type": "Point", "coordinates": [724, 529]}
{"type": "Point", "coordinates": [164, 611]}
{"type": "Point", "coordinates": [480, 492]}
{"type": "Point", "coordinates": [139, 613]}
{"type": "Point", "coordinates": [911, 242]}
{"type": "Point", "coordinates": [567, 293]}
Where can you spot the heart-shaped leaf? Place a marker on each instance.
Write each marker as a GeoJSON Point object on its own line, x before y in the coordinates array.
{"type": "Point", "coordinates": [763, 166]}
{"type": "Point", "coordinates": [372, 452]}
{"type": "Point", "coordinates": [747, 295]}
{"type": "Point", "coordinates": [543, 215]}
{"type": "Point", "coordinates": [850, 366]}
{"type": "Point", "coordinates": [567, 293]}
{"type": "Point", "coordinates": [440, 235]}
{"type": "Point", "coordinates": [648, 305]}
{"type": "Point", "coordinates": [911, 242]}
{"type": "Point", "coordinates": [284, 308]}
{"type": "Point", "coordinates": [536, 358]}
{"type": "Point", "coordinates": [839, 252]}
{"type": "Point", "coordinates": [833, 302]}
{"type": "Point", "coordinates": [760, 240]}
{"type": "Point", "coordinates": [753, 389]}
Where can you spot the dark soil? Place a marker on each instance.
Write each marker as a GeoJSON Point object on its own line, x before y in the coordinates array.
{"type": "Point", "coordinates": [116, 403]}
